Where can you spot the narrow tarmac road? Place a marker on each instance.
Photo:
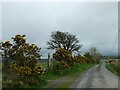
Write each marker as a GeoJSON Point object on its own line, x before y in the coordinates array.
{"type": "Point", "coordinates": [97, 77]}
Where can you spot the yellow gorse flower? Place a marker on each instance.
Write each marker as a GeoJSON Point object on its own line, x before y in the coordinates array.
{"type": "Point", "coordinates": [39, 70]}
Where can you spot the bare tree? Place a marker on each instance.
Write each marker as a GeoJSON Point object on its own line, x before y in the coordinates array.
{"type": "Point", "coordinates": [95, 53]}
{"type": "Point", "coordinates": [64, 40]}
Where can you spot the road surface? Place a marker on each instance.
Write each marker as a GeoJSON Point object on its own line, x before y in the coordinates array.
{"type": "Point", "coordinates": [97, 77]}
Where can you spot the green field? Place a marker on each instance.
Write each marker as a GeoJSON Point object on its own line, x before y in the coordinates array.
{"type": "Point", "coordinates": [44, 64]}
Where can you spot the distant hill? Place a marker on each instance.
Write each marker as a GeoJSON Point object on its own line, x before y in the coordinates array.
{"type": "Point", "coordinates": [45, 60]}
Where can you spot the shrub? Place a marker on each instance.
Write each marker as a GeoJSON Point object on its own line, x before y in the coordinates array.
{"type": "Point", "coordinates": [64, 58]}
{"type": "Point", "coordinates": [79, 59]}
{"type": "Point", "coordinates": [88, 58]}
{"type": "Point", "coordinates": [57, 67]}
{"type": "Point", "coordinates": [20, 60]}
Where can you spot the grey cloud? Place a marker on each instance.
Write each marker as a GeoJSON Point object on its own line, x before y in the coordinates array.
{"type": "Point", "coordinates": [95, 24]}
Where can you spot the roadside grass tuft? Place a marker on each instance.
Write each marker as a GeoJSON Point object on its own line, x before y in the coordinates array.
{"type": "Point", "coordinates": [114, 68]}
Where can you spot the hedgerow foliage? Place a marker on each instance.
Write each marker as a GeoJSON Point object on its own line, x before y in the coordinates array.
{"type": "Point", "coordinates": [19, 63]}
{"type": "Point", "coordinates": [79, 59]}
{"type": "Point", "coordinates": [64, 58]}
{"type": "Point", "coordinates": [113, 66]}
{"type": "Point", "coordinates": [88, 58]}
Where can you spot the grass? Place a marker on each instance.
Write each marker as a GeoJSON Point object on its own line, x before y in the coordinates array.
{"type": "Point", "coordinates": [64, 85]}
{"type": "Point", "coordinates": [75, 70]}
{"type": "Point", "coordinates": [39, 85]}
{"type": "Point", "coordinates": [114, 68]}
{"type": "Point", "coordinates": [72, 74]}
{"type": "Point", "coordinates": [44, 64]}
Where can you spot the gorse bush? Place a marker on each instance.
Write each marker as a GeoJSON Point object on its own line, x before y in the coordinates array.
{"type": "Point", "coordinates": [64, 59]}
{"type": "Point", "coordinates": [20, 58]}
{"type": "Point", "coordinates": [79, 59]}
{"type": "Point", "coordinates": [88, 58]}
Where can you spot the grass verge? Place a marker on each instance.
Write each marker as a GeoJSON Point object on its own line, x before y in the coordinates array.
{"type": "Point", "coordinates": [114, 68]}
{"type": "Point", "coordinates": [65, 78]}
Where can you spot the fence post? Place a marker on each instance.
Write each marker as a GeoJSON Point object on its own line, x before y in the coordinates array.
{"type": "Point", "coordinates": [49, 61]}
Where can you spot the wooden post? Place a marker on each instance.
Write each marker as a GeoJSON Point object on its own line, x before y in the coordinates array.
{"type": "Point", "coordinates": [49, 62]}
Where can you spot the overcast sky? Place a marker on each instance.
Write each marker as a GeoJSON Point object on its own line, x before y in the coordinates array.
{"type": "Point", "coordinates": [94, 24]}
